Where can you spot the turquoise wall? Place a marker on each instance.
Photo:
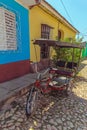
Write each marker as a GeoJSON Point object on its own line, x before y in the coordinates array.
{"type": "Point", "coordinates": [84, 52]}
{"type": "Point", "coordinates": [23, 48]}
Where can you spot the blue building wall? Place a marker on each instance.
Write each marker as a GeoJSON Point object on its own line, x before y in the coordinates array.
{"type": "Point", "coordinates": [23, 49]}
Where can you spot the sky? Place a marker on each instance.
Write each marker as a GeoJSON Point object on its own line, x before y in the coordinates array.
{"type": "Point", "coordinates": [75, 11]}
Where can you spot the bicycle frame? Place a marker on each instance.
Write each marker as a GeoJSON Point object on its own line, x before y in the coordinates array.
{"type": "Point", "coordinates": [46, 85]}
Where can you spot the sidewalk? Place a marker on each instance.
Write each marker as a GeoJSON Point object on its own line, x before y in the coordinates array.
{"type": "Point", "coordinates": [11, 89]}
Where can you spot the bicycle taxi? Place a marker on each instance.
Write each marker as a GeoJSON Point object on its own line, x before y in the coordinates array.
{"type": "Point", "coordinates": [60, 73]}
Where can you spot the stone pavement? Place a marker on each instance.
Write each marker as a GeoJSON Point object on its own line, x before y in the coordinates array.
{"type": "Point", "coordinates": [55, 111]}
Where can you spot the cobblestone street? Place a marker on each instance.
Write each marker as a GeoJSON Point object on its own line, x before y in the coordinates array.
{"type": "Point", "coordinates": [55, 111]}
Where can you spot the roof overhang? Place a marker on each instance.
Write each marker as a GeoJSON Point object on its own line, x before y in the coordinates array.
{"type": "Point", "coordinates": [55, 43]}
{"type": "Point", "coordinates": [28, 3]}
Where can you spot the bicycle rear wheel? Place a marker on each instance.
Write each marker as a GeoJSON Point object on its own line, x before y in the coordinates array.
{"type": "Point", "coordinates": [31, 103]}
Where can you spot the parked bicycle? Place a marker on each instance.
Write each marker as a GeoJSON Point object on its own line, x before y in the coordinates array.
{"type": "Point", "coordinates": [45, 83]}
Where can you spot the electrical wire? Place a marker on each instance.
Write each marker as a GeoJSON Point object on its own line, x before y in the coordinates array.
{"type": "Point", "coordinates": [66, 12]}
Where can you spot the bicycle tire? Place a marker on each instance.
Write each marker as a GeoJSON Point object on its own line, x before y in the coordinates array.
{"type": "Point", "coordinates": [31, 103]}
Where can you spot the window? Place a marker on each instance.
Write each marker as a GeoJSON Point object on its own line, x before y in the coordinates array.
{"type": "Point", "coordinates": [59, 35]}
{"type": "Point", "coordinates": [8, 40]}
{"type": "Point", "coordinates": [44, 51]}
{"type": "Point", "coordinates": [46, 33]}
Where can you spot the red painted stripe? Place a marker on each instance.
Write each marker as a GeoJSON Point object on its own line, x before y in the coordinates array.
{"type": "Point", "coordinates": [14, 70]}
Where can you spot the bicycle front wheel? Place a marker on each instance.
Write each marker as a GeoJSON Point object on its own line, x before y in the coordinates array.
{"type": "Point", "coordinates": [31, 103]}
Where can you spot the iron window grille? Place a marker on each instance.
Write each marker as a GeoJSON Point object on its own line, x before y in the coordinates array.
{"type": "Point", "coordinates": [8, 36]}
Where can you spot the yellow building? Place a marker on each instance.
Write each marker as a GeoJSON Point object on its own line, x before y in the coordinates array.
{"type": "Point", "coordinates": [47, 23]}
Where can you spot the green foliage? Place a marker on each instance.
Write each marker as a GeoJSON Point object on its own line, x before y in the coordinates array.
{"type": "Point", "coordinates": [67, 53]}
{"type": "Point", "coordinates": [73, 40]}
